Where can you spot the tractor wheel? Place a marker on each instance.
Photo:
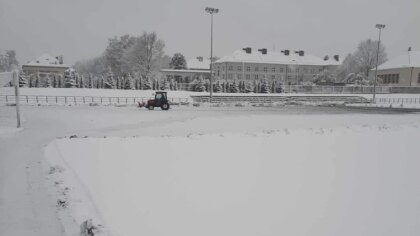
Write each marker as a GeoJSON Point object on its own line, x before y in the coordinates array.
{"type": "Point", "coordinates": [151, 107]}
{"type": "Point", "coordinates": [165, 106]}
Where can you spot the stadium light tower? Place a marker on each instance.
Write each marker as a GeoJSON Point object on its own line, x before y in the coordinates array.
{"type": "Point", "coordinates": [380, 27]}
{"type": "Point", "coordinates": [211, 11]}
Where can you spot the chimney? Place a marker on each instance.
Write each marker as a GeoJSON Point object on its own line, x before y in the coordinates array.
{"type": "Point", "coordinates": [60, 59]}
{"type": "Point", "coordinates": [248, 50]}
{"type": "Point", "coordinates": [300, 52]}
{"type": "Point", "coordinates": [200, 59]}
{"type": "Point", "coordinates": [337, 57]}
{"type": "Point", "coordinates": [326, 58]}
{"type": "Point", "coordinates": [263, 51]}
{"type": "Point", "coordinates": [286, 52]}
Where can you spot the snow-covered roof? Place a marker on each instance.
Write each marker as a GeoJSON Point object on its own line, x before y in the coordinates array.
{"type": "Point", "coordinates": [46, 60]}
{"type": "Point", "coordinates": [277, 58]}
{"type": "Point", "coordinates": [198, 64]}
{"type": "Point", "coordinates": [408, 59]}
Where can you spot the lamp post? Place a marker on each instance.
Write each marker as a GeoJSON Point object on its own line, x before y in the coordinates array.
{"type": "Point", "coordinates": [380, 27]}
{"type": "Point", "coordinates": [211, 11]}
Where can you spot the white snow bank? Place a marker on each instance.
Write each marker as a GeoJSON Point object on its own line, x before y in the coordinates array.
{"type": "Point", "coordinates": [340, 181]}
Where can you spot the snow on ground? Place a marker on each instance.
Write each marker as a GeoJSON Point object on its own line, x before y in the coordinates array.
{"type": "Point", "coordinates": [208, 171]}
{"type": "Point", "coordinates": [162, 169]}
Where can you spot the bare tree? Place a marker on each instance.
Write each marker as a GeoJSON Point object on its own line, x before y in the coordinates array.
{"type": "Point", "coordinates": [145, 56]}
{"type": "Point", "coordinates": [365, 56]}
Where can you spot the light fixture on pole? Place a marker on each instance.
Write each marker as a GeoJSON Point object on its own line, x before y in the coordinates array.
{"type": "Point", "coordinates": [380, 27]}
{"type": "Point", "coordinates": [211, 11]}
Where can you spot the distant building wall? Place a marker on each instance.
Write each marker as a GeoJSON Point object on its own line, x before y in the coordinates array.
{"type": "Point", "coordinates": [399, 76]}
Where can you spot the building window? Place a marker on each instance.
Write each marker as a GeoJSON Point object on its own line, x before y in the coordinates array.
{"type": "Point", "coordinates": [256, 68]}
{"type": "Point", "coordinates": [248, 77]}
{"type": "Point", "coordinates": [218, 73]}
{"type": "Point", "coordinates": [273, 77]}
{"type": "Point", "coordinates": [305, 71]}
{"type": "Point", "coordinates": [255, 77]}
{"type": "Point", "coordinates": [223, 68]}
{"type": "Point", "coordinates": [230, 67]}
{"type": "Point", "coordinates": [273, 70]}
{"type": "Point", "coordinates": [312, 71]}
{"type": "Point", "coordinates": [248, 68]}
{"type": "Point", "coordinates": [229, 76]}
{"type": "Point", "coordinates": [281, 69]}
{"type": "Point", "coordinates": [239, 68]}
{"type": "Point", "coordinates": [289, 70]}
{"type": "Point", "coordinates": [265, 69]}
{"type": "Point", "coordinates": [223, 76]}
{"type": "Point", "coordinates": [418, 79]}
{"type": "Point", "coordinates": [297, 70]}
{"type": "Point", "coordinates": [239, 76]}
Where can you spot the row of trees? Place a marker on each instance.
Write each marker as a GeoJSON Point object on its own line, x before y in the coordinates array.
{"type": "Point", "coordinates": [141, 55]}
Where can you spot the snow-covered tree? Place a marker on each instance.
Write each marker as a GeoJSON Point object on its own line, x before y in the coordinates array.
{"type": "Point", "coordinates": [365, 55]}
{"type": "Point", "coordinates": [128, 82]}
{"type": "Point", "coordinates": [90, 81]}
{"type": "Point", "coordinates": [217, 87]}
{"type": "Point", "coordinates": [48, 81]}
{"type": "Point", "coordinates": [199, 85]}
{"type": "Point", "coordinates": [265, 88]}
{"type": "Point", "coordinates": [23, 79]}
{"type": "Point", "coordinates": [147, 84]}
{"type": "Point", "coordinates": [109, 83]}
{"type": "Point", "coordinates": [234, 88]}
{"type": "Point", "coordinates": [164, 85]}
{"type": "Point", "coordinates": [178, 62]}
{"type": "Point", "coordinates": [248, 87]}
{"type": "Point", "coordinates": [70, 78]}
{"type": "Point", "coordinates": [324, 77]}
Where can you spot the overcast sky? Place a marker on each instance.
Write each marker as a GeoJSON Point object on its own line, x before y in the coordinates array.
{"type": "Point", "coordinates": [79, 29]}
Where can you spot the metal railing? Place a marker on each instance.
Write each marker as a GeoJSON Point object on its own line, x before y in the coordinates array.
{"type": "Point", "coordinates": [396, 100]}
{"type": "Point", "coordinates": [79, 100]}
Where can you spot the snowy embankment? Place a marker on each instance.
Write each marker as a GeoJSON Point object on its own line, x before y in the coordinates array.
{"type": "Point", "coordinates": [357, 176]}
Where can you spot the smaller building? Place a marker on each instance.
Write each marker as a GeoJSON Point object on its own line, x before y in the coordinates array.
{"type": "Point", "coordinates": [403, 70]}
{"type": "Point", "coordinates": [45, 65]}
{"type": "Point", "coordinates": [196, 68]}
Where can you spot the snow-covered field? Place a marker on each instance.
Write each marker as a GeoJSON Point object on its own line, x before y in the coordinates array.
{"type": "Point", "coordinates": [209, 170]}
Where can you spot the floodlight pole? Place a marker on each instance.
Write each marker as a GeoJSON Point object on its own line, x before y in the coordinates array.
{"type": "Point", "coordinates": [211, 11]}
{"type": "Point", "coordinates": [380, 27]}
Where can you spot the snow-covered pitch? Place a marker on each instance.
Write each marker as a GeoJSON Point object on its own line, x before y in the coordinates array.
{"type": "Point", "coordinates": [208, 171]}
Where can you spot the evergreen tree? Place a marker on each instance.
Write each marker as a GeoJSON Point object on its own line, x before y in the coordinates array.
{"type": "Point", "coordinates": [70, 78]}
{"type": "Point", "coordinates": [90, 81]}
{"type": "Point", "coordinates": [178, 62]}
{"type": "Point", "coordinates": [234, 88]}
{"type": "Point", "coordinates": [23, 81]}
{"type": "Point", "coordinates": [199, 85]}
{"type": "Point", "coordinates": [48, 82]}
{"type": "Point", "coordinates": [147, 84]}
{"type": "Point", "coordinates": [265, 88]}
{"type": "Point", "coordinates": [37, 81]}
{"type": "Point", "coordinates": [217, 88]}
{"type": "Point", "coordinates": [59, 82]}
{"type": "Point", "coordinates": [128, 82]}
{"type": "Point", "coordinates": [255, 86]}
{"type": "Point", "coordinates": [273, 87]}
{"type": "Point", "coordinates": [164, 85]}
{"type": "Point", "coordinates": [248, 87]}
{"type": "Point", "coordinates": [109, 83]}
{"type": "Point", "coordinates": [82, 82]}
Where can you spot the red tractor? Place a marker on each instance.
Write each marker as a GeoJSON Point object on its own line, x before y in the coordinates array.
{"type": "Point", "coordinates": [161, 100]}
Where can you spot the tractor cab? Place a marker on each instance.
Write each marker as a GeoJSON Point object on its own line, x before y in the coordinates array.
{"type": "Point", "coordinates": [161, 100]}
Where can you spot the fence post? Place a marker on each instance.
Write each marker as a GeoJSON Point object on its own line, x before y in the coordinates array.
{"type": "Point", "coordinates": [7, 100]}
{"type": "Point", "coordinates": [46, 99]}
{"type": "Point", "coordinates": [65, 99]}
{"type": "Point", "coordinates": [84, 100]}
{"type": "Point", "coordinates": [36, 98]}
{"type": "Point", "coordinates": [74, 99]}
{"type": "Point", "coordinates": [56, 99]}
{"type": "Point", "coordinates": [27, 100]}
{"type": "Point", "coordinates": [101, 100]}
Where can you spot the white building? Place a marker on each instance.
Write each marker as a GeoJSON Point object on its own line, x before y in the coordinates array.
{"type": "Point", "coordinates": [403, 70]}
{"type": "Point", "coordinates": [290, 67]}
{"type": "Point", "coordinates": [45, 65]}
